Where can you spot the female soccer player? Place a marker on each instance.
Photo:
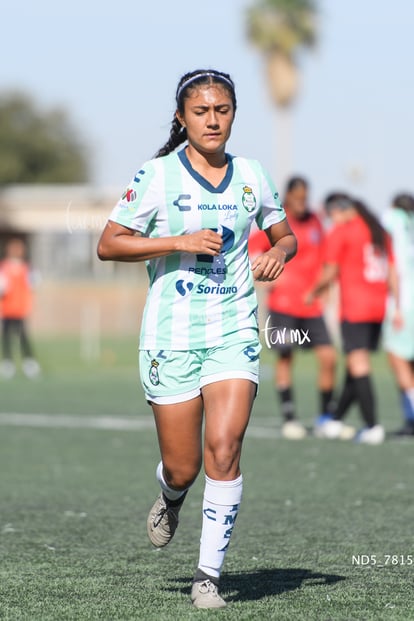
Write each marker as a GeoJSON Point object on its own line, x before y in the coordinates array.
{"type": "Point", "coordinates": [188, 215]}
{"type": "Point", "coordinates": [290, 315]}
{"type": "Point", "coordinates": [358, 253]}
{"type": "Point", "coordinates": [399, 329]}
{"type": "Point", "coordinates": [15, 308]}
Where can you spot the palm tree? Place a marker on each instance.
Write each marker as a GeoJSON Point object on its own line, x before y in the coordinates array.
{"type": "Point", "coordinates": [279, 28]}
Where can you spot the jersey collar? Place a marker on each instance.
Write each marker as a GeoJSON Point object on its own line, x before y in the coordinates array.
{"type": "Point", "coordinates": [202, 181]}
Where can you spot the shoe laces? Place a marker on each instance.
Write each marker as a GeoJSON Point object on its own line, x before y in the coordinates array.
{"type": "Point", "coordinates": [158, 517]}
{"type": "Point", "coordinates": [165, 510]}
{"type": "Point", "coordinates": [208, 587]}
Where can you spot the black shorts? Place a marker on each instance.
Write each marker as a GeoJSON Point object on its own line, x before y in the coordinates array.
{"type": "Point", "coordinates": [285, 332]}
{"type": "Point", "coordinates": [360, 335]}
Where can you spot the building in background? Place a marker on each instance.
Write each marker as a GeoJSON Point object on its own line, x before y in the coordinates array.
{"type": "Point", "coordinates": [75, 292]}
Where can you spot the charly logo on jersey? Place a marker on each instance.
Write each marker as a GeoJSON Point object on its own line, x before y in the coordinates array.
{"type": "Point", "coordinates": [181, 202]}
{"type": "Point", "coordinates": [248, 199]}
{"type": "Point", "coordinates": [153, 372]}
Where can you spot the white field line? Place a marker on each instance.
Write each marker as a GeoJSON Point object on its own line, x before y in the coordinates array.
{"type": "Point", "coordinates": [256, 429]}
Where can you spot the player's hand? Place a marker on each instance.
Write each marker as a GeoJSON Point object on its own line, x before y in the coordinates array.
{"type": "Point", "coordinates": [397, 320]}
{"type": "Point", "coordinates": [270, 265]}
{"type": "Point", "coordinates": [309, 297]}
{"type": "Point", "coordinates": [205, 241]}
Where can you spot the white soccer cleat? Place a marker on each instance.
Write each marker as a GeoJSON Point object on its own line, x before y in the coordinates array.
{"type": "Point", "coordinates": [204, 594]}
{"type": "Point", "coordinates": [347, 432]}
{"type": "Point", "coordinates": [31, 368]}
{"type": "Point", "coordinates": [335, 430]}
{"type": "Point", "coordinates": [7, 369]}
{"type": "Point", "coordinates": [162, 521]}
{"type": "Point", "coordinates": [372, 435]}
{"type": "Point", "coordinates": [293, 430]}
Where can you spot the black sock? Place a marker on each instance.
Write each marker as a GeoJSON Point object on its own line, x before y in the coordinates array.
{"type": "Point", "coordinates": [200, 576]}
{"type": "Point", "coordinates": [366, 399]}
{"type": "Point", "coordinates": [327, 401]}
{"type": "Point", "coordinates": [175, 503]}
{"type": "Point", "coordinates": [286, 403]}
{"type": "Point", "coordinates": [347, 397]}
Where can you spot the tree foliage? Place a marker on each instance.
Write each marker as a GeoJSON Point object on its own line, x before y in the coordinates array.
{"type": "Point", "coordinates": [38, 146]}
{"type": "Point", "coordinates": [282, 25]}
{"type": "Point", "coordinates": [278, 28]}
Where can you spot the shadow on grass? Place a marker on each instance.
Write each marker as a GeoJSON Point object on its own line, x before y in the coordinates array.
{"type": "Point", "coordinates": [256, 585]}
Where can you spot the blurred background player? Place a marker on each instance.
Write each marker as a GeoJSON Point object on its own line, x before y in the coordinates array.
{"type": "Point", "coordinates": [288, 310]}
{"type": "Point", "coordinates": [399, 328]}
{"type": "Point", "coordinates": [358, 254]}
{"type": "Point", "coordinates": [15, 307]}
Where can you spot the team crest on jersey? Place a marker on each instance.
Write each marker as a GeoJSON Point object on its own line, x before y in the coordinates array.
{"type": "Point", "coordinates": [153, 372]}
{"type": "Point", "coordinates": [248, 199]}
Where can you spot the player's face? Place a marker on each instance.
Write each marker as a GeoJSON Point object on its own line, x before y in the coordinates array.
{"type": "Point", "coordinates": [16, 249]}
{"type": "Point", "coordinates": [339, 216]}
{"type": "Point", "coordinates": [296, 201]}
{"type": "Point", "coordinates": [208, 117]}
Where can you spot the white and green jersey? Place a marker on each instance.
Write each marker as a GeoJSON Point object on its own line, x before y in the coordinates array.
{"type": "Point", "coordinates": [400, 225]}
{"type": "Point", "coordinates": [195, 301]}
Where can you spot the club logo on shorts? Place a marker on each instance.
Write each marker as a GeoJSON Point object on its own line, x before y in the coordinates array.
{"type": "Point", "coordinates": [153, 372]}
{"type": "Point", "coordinates": [248, 199]}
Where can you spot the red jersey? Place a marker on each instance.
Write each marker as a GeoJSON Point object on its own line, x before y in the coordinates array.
{"type": "Point", "coordinates": [363, 271]}
{"type": "Point", "coordinates": [287, 294]}
{"type": "Point", "coordinates": [16, 301]}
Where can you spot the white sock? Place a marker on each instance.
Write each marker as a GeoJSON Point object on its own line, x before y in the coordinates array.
{"type": "Point", "coordinates": [171, 494]}
{"type": "Point", "coordinates": [220, 508]}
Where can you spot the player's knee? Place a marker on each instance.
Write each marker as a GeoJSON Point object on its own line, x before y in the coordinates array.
{"type": "Point", "coordinates": [181, 477]}
{"type": "Point", "coordinates": [327, 355]}
{"type": "Point", "coordinates": [223, 459]}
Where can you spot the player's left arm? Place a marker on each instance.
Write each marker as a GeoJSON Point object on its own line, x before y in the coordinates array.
{"type": "Point", "coordinates": [269, 265]}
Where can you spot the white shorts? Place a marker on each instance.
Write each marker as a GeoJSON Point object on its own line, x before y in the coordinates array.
{"type": "Point", "coordinates": [170, 376]}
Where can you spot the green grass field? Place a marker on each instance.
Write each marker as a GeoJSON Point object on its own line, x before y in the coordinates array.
{"type": "Point", "coordinates": [74, 501]}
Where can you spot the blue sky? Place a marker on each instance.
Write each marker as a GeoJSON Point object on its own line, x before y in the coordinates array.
{"type": "Point", "coordinates": [115, 67]}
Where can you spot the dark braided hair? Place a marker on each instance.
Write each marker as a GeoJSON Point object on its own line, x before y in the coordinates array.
{"type": "Point", "coordinates": [343, 201]}
{"type": "Point", "coordinates": [178, 133]}
{"type": "Point", "coordinates": [378, 234]}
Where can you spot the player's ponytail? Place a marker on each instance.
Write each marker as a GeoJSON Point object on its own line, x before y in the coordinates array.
{"type": "Point", "coordinates": [343, 201]}
{"type": "Point", "coordinates": [378, 233]}
{"type": "Point", "coordinates": [178, 133]}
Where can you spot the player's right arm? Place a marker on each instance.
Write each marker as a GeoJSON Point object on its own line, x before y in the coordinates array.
{"type": "Point", "coordinates": [120, 243]}
{"type": "Point", "coordinates": [329, 274]}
